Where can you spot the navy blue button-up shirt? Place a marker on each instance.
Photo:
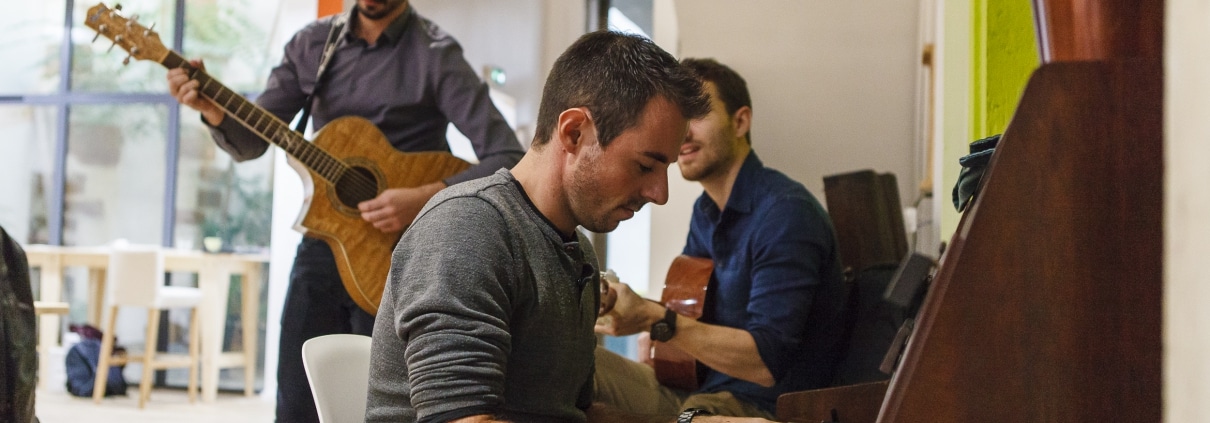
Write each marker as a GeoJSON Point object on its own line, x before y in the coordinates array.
{"type": "Point", "coordinates": [777, 275]}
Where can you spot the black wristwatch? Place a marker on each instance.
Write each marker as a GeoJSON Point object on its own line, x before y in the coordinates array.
{"type": "Point", "coordinates": [663, 329]}
{"type": "Point", "coordinates": [688, 415]}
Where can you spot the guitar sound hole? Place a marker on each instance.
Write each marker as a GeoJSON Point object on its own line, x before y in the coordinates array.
{"type": "Point", "coordinates": [357, 185]}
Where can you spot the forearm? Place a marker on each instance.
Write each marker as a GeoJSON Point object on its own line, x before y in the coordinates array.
{"type": "Point", "coordinates": [601, 413]}
{"type": "Point", "coordinates": [728, 350]}
{"type": "Point", "coordinates": [482, 418]}
{"type": "Point", "coordinates": [237, 140]}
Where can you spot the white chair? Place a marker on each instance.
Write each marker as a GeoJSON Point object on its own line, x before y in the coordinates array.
{"type": "Point", "coordinates": [338, 369]}
{"type": "Point", "coordinates": [136, 279]}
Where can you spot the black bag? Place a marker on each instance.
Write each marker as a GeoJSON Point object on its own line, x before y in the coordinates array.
{"type": "Point", "coordinates": [18, 352]}
{"type": "Point", "coordinates": [82, 362]}
{"type": "Point", "coordinates": [973, 165]}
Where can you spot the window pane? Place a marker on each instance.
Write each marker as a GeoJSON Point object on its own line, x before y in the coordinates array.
{"type": "Point", "coordinates": [97, 68]}
{"type": "Point", "coordinates": [631, 16]}
{"type": "Point", "coordinates": [218, 197]}
{"type": "Point", "coordinates": [34, 32]}
{"type": "Point", "coordinates": [233, 37]}
{"type": "Point", "coordinates": [115, 174]}
{"type": "Point", "coordinates": [27, 169]}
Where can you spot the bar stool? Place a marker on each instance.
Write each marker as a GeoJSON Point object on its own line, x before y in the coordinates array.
{"type": "Point", "coordinates": [136, 279]}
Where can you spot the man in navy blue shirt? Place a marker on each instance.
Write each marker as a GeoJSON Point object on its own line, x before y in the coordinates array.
{"type": "Point", "coordinates": [772, 321]}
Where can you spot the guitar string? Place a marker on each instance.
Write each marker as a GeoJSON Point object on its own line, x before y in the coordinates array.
{"type": "Point", "coordinates": [329, 167]}
{"type": "Point", "coordinates": [358, 183]}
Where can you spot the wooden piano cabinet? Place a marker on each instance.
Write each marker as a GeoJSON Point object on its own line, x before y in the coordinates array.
{"type": "Point", "coordinates": [848, 404]}
{"type": "Point", "coordinates": [1047, 306]}
{"type": "Point", "coordinates": [1089, 30]}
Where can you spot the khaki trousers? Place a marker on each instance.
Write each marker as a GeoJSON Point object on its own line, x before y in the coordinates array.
{"type": "Point", "coordinates": [632, 387]}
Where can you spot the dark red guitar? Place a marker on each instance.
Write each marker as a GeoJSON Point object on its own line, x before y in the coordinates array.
{"type": "Point", "coordinates": [684, 293]}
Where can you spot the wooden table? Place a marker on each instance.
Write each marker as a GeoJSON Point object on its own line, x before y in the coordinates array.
{"type": "Point", "coordinates": [214, 275]}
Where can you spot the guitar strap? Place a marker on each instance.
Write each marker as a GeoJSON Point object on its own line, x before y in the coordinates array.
{"type": "Point", "coordinates": [338, 24]}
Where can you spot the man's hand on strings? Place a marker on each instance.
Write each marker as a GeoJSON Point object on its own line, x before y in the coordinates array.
{"type": "Point", "coordinates": [395, 208]}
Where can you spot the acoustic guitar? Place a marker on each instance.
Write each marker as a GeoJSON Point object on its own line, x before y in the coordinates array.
{"type": "Point", "coordinates": [349, 161]}
{"type": "Point", "coordinates": [684, 293]}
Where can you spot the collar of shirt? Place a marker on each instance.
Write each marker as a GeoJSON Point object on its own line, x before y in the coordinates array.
{"type": "Point", "coordinates": [742, 190]}
{"type": "Point", "coordinates": [389, 36]}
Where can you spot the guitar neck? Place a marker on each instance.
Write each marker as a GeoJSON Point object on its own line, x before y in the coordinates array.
{"type": "Point", "coordinates": [260, 121]}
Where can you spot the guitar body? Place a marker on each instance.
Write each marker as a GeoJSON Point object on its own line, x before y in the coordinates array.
{"type": "Point", "coordinates": [350, 161]}
{"type": "Point", "coordinates": [684, 293]}
{"type": "Point", "coordinates": [363, 253]}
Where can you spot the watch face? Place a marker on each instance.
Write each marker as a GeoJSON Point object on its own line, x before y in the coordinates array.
{"type": "Point", "coordinates": [660, 332]}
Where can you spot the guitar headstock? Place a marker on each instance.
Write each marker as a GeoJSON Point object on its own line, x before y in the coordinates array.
{"type": "Point", "coordinates": [141, 42]}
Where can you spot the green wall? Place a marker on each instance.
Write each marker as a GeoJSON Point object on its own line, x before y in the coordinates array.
{"type": "Point", "coordinates": [991, 50]}
{"type": "Point", "coordinates": [1005, 54]}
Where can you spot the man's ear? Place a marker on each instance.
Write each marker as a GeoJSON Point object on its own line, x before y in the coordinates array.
{"type": "Point", "coordinates": [574, 128]}
{"type": "Point", "coordinates": [742, 118]}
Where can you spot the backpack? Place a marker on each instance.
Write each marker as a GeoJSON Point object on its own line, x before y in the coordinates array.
{"type": "Point", "coordinates": [81, 365]}
{"type": "Point", "coordinates": [18, 354]}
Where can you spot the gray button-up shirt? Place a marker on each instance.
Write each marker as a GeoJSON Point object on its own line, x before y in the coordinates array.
{"type": "Point", "coordinates": [411, 83]}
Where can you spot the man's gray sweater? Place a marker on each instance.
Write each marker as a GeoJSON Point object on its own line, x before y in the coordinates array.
{"type": "Point", "coordinates": [487, 310]}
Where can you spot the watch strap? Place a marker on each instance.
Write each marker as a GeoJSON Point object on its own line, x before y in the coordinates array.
{"type": "Point", "coordinates": [689, 413]}
{"type": "Point", "coordinates": [664, 329]}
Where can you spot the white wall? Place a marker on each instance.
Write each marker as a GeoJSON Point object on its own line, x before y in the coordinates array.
{"type": "Point", "coordinates": [507, 35]}
{"type": "Point", "coordinates": [832, 81]}
{"type": "Point", "coordinates": [833, 89]}
{"type": "Point", "coordinates": [1186, 206]}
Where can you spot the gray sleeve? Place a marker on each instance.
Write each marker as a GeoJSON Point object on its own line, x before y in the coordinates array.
{"type": "Point", "coordinates": [451, 274]}
{"type": "Point", "coordinates": [283, 97]}
{"type": "Point", "coordinates": [464, 99]}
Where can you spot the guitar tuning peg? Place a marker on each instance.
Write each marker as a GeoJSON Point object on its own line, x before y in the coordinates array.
{"type": "Point", "coordinates": [94, 37]}
{"type": "Point", "coordinates": [126, 61]}
{"type": "Point", "coordinates": [117, 6]}
{"type": "Point", "coordinates": [134, 17]}
{"type": "Point", "coordinates": [147, 32]}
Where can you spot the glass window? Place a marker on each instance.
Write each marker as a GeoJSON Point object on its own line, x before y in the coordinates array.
{"type": "Point", "coordinates": [97, 66]}
{"type": "Point", "coordinates": [232, 37]}
{"type": "Point", "coordinates": [217, 197]}
{"type": "Point", "coordinates": [115, 174]}
{"type": "Point", "coordinates": [631, 16]}
{"type": "Point", "coordinates": [116, 163]}
{"type": "Point", "coordinates": [33, 38]}
{"type": "Point", "coordinates": [27, 169]}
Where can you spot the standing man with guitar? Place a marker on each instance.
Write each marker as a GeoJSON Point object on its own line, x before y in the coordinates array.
{"type": "Point", "coordinates": [388, 64]}
{"type": "Point", "coordinates": [772, 321]}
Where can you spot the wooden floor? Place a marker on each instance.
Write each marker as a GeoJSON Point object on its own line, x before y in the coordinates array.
{"type": "Point", "coordinates": [166, 405]}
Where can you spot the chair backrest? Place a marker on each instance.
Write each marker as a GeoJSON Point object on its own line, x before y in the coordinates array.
{"type": "Point", "coordinates": [338, 369]}
{"type": "Point", "coordinates": [135, 275]}
{"type": "Point", "coordinates": [865, 210]}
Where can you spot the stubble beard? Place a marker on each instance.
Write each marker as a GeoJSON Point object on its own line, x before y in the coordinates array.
{"type": "Point", "coordinates": [380, 13]}
{"type": "Point", "coordinates": [711, 161]}
{"type": "Point", "coordinates": [585, 199]}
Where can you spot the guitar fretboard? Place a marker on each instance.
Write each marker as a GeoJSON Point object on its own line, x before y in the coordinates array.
{"type": "Point", "coordinates": [260, 121]}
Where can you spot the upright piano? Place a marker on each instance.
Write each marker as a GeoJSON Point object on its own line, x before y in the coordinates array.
{"type": "Point", "coordinates": [1046, 306]}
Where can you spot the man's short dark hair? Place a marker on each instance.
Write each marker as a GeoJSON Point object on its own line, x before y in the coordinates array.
{"type": "Point", "coordinates": [615, 75]}
{"type": "Point", "coordinates": [732, 89]}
